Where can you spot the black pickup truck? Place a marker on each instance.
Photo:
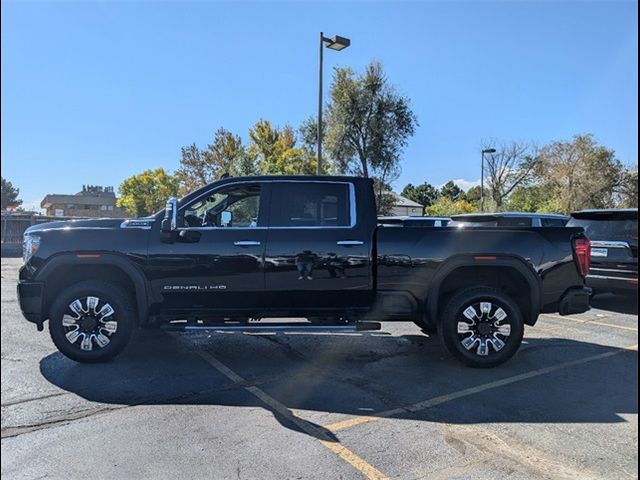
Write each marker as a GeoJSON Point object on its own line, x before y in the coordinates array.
{"type": "Point", "coordinates": [244, 249]}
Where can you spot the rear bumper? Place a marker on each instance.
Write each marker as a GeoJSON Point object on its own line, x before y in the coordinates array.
{"type": "Point", "coordinates": [30, 298]}
{"type": "Point", "coordinates": [575, 300]}
{"type": "Point", "coordinates": [603, 283]}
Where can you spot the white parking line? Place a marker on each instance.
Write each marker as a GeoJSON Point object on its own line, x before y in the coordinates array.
{"type": "Point", "coordinates": [588, 321]}
{"type": "Point", "coordinates": [369, 471]}
{"type": "Point", "coordinates": [351, 422]}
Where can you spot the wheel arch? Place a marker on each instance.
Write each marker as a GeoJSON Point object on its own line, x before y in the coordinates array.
{"type": "Point", "coordinates": [66, 269]}
{"type": "Point", "coordinates": [466, 270]}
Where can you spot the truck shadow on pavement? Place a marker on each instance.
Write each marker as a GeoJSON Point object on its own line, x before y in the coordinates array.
{"type": "Point", "coordinates": [361, 374]}
{"type": "Point", "coordinates": [616, 303]}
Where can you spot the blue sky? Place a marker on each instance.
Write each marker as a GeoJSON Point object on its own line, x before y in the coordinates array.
{"type": "Point", "coordinates": [94, 92]}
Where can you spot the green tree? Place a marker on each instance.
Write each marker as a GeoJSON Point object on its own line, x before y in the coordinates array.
{"type": "Point", "coordinates": [452, 191]}
{"type": "Point", "coordinates": [580, 174]}
{"type": "Point", "coordinates": [628, 189]}
{"type": "Point", "coordinates": [368, 123]}
{"type": "Point", "coordinates": [474, 194]}
{"type": "Point", "coordinates": [445, 207]}
{"type": "Point", "coordinates": [425, 194]}
{"type": "Point", "coordinates": [275, 150]}
{"type": "Point", "coordinates": [225, 154]}
{"type": "Point", "coordinates": [532, 198]}
{"type": "Point", "coordinates": [385, 199]}
{"type": "Point", "coordinates": [511, 166]}
{"type": "Point", "coordinates": [147, 192]}
{"type": "Point", "coordinates": [9, 194]}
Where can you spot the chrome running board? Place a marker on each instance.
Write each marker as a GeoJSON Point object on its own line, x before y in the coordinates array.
{"type": "Point", "coordinates": [273, 327]}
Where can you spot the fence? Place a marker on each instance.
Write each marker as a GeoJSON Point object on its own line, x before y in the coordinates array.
{"type": "Point", "coordinates": [13, 227]}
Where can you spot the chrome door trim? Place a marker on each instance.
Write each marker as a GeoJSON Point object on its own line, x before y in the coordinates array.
{"type": "Point", "coordinates": [349, 242]}
{"type": "Point", "coordinates": [247, 243]}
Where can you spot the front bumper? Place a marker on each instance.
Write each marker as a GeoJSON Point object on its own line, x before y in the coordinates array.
{"type": "Point", "coordinates": [30, 298]}
{"type": "Point", "coordinates": [575, 300]}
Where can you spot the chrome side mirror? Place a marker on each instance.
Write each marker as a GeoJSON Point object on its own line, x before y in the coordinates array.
{"type": "Point", "coordinates": [170, 220]}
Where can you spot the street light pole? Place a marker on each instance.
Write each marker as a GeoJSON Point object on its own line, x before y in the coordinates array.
{"type": "Point", "coordinates": [482, 184]}
{"type": "Point", "coordinates": [319, 165]}
{"type": "Point", "coordinates": [335, 43]}
{"type": "Point", "coordinates": [485, 150]}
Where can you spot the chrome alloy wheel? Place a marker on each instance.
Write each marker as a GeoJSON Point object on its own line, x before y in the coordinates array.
{"type": "Point", "coordinates": [89, 321]}
{"type": "Point", "coordinates": [483, 325]}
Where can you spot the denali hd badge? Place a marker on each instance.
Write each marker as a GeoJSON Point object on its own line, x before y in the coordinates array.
{"type": "Point", "coordinates": [192, 288]}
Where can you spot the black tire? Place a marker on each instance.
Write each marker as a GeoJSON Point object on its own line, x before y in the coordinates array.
{"type": "Point", "coordinates": [123, 316]}
{"type": "Point", "coordinates": [491, 333]}
{"type": "Point", "coordinates": [426, 327]}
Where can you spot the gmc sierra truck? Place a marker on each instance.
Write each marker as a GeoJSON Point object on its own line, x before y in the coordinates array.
{"type": "Point", "coordinates": [242, 250]}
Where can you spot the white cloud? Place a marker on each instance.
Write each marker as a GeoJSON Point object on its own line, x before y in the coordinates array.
{"type": "Point", "coordinates": [465, 184]}
{"type": "Point", "coordinates": [32, 206]}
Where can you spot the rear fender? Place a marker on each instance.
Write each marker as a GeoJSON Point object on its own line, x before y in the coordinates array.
{"type": "Point", "coordinates": [518, 264]}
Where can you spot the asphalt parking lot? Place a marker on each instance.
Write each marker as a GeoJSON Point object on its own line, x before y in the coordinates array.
{"type": "Point", "coordinates": [390, 404]}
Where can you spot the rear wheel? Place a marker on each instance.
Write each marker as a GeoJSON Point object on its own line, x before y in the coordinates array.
{"type": "Point", "coordinates": [92, 321]}
{"type": "Point", "coordinates": [482, 327]}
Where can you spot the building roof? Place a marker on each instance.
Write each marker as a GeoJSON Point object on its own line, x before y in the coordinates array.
{"type": "Point", "coordinates": [83, 198]}
{"type": "Point", "coordinates": [401, 201]}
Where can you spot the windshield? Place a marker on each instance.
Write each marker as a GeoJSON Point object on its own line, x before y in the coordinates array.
{"type": "Point", "coordinates": [618, 230]}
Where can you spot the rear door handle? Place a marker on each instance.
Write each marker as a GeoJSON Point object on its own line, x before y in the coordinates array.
{"type": "Point", "coordinates": [246, 243]}
{"type": "Point", "coordinates": [350, 242]}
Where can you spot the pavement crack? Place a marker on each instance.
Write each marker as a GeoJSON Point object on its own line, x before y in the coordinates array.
{"type": "Point", "coordinates": [14, 431]}
{"type": "Point", "coordinates": [26, 400]}
{"type": "Point", "coordinates": [286, 346]}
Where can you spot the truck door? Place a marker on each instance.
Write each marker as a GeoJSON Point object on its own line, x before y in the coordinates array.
{"type": "Point", "coordinates": [317, 252]}
{"type": "Point", "coordinates": [216, 261]}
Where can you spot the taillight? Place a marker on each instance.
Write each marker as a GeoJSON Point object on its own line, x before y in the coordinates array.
{"type": "Point", "coordinates": [582, 247]}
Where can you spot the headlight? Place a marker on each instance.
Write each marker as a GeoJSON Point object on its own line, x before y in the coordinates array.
{"type": "Point", "coordinates": [30, 245]}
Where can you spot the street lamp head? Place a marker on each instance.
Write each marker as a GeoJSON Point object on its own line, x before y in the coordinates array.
{"type": "Point", "coordinates": [337, 43]}
{"type": "Point", "coordinates": [489, 150]}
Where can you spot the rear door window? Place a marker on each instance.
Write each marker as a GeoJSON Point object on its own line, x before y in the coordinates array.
{"type": "Point", "coordinates": [308, 204]}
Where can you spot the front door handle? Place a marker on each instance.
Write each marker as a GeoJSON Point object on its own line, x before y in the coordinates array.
{"type": "Point", "coordinates": [246, 243]}
{"type": "Point", "coordinates": [350, 242]}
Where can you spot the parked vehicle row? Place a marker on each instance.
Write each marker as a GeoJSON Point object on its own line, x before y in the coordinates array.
{"type": "Point", "coordinates": [243, 249]}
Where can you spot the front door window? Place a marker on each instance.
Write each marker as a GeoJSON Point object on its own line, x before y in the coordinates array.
{"type": "Point", "coordinates": [235, 206]}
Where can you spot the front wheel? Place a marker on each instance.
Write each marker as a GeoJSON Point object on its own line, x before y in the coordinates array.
{"type": "Point", "coordinates": [482, 327]}
{"type": "Point", "coordinates": [91, 321]}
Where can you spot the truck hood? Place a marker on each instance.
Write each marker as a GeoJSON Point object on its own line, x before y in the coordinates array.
{"type": "Point", "coordinates": [98, 223]}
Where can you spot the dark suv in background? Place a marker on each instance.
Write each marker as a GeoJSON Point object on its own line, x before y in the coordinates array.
{"type": "Point", "coordinates": [614, 248]}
